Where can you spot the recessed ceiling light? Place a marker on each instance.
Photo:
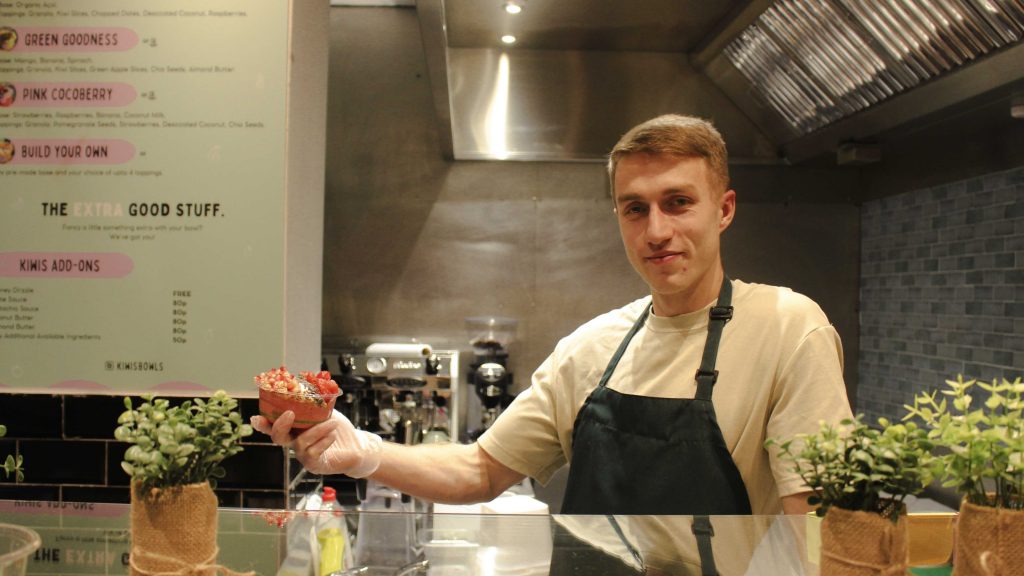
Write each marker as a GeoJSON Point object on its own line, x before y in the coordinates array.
{"type": "Point", "coordinates": [513, 8]}
{"type": "Point", "coordinates": [508, 39]}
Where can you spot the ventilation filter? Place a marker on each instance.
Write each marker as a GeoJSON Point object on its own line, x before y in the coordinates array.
{"type": "Point", "coordinates": [817, 61]}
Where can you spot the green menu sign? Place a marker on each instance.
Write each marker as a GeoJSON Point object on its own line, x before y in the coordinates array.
{"type": "Point", "coordinates": [142, 194]}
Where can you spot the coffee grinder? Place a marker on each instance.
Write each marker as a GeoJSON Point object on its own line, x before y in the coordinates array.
{"type": "Point", "coordinates": [490, 375]}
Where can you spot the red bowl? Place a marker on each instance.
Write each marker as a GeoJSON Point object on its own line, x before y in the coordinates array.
{"type": "Point", "coordinates": [307, 413]}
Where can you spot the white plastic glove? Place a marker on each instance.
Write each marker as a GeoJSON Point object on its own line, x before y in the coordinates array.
{"type": "Point", "coordinates": [334, 446]}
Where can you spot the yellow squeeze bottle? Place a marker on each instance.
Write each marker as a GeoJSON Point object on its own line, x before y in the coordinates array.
{"type": "Point", "coordinates": [331, 536]}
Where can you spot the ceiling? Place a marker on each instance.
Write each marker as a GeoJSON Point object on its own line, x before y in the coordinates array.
{"type": "Point", "coordinates": [639, 26]}
{"type": "Point", "coordinates": [838, 77]}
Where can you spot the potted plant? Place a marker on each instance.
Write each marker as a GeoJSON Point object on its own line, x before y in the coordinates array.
{"type": "Point", "coordinates": [175, 458]}
{"type": "Point", "coordinates": [11, 465]}
{"type": "Point", "coordinates": [984, 435]}
{"type": "Point", "coordinates": [860, 476]}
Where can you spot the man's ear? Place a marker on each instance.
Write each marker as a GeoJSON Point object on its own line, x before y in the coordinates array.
{"type": "Point", "coordinates": [727, 208]}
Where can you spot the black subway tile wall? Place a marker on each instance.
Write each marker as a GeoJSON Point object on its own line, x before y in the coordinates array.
{"type": "Point", "coordinates": [256, 467]}
{"type": "Point", "coordinates": [31, 415]}
{"type": "Point", "coordinates": [248, 407]}
{"type": "Point", "coordinates": [95, 494]}
{"type": "Point", "coordinates": [92, 416]}
{"type": "Point", "coordinates": [942, 289]}
{"type": "Point", "coordinates": [7, 446]}
{"type": "Point", "coordinates": [254, 499]}
{"type": "Point", "coordinates": [70, 454]}
{"type": "Point", "coordinates": [228, 498]}
{"type": "Point", "coordinates": [116, 476]}
{"type": "Point", "coordinates": [29, 492]}
{"type": "Point", "coordinates": [61, 462]}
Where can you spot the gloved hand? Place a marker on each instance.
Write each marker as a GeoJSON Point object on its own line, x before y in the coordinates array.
{"type": "Point", "coordinates": [330, 447]}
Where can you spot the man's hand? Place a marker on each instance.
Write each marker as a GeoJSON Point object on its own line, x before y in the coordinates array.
{"type": "Point", "coordinates": [330, 447]}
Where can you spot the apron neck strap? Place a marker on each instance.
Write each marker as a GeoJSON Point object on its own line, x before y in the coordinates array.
{"type": "Point", "coordinates": [719, 314]}
{"type": "Point", "coordinates": [622, 347]}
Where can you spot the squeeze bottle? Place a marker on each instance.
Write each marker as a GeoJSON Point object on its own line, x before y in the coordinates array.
{"type": "Point", "coordinates": [331, 534]}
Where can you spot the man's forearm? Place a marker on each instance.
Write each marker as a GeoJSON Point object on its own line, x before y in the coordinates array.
{"type": "Point", "coordinates": [446, 473]}
{"type": "Point", "coordinates": [797, 503]}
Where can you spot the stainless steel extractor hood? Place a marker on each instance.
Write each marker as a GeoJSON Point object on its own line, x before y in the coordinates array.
{"type": "Point", "coordinates": [818, 61]}
{"type": "Point", "coordinates": [787, 80]}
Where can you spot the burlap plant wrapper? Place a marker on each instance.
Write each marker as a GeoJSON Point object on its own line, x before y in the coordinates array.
{"type": "Point", "coordinates": [857, 543]}
{"type": "Point", "coordinates": [989, 541]}
{"type": "Point", "coordinates": [174, 531]}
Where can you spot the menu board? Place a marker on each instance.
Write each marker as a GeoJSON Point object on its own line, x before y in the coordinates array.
{"type": "Point", "coordinates": [142, 193]}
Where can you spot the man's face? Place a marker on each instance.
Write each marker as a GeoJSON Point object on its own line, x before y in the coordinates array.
{"type": "Point", "coordinates": [670, 216]}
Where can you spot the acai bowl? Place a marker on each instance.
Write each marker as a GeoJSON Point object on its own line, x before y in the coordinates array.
{"type": "Point", "coordinates": [310, 395]}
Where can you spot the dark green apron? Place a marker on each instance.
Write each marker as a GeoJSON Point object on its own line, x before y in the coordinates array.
{"type": "Point", "coordinates": [656, 456]}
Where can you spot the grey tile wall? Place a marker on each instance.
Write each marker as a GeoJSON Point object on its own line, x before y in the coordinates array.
{"type": "Point", "coordinates": [941, 289]}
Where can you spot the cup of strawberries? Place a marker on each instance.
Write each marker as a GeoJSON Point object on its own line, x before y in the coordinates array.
{"type": "Point", "coordinates": [310, 395]}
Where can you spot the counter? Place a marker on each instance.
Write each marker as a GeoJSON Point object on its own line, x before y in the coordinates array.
{"type": "Point", "coordinates": [93, 538]}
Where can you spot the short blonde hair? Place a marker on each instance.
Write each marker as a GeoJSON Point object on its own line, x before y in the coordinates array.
{"type": "Point", "coordinates": [678, 135]}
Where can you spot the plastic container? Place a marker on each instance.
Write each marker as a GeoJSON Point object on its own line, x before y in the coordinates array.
{"type": "Point", "coordinates": [382, 537]}
{"type": "Point", "coordinates": [450, 551]}
{"type": "Point", "coordinates": [16, 547]}
{"type": "Point", "coordinates": [307, 411]}
{"type": "Point", "coordinates": [303, 550]}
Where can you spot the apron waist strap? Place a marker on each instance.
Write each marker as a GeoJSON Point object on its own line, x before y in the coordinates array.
{"type": "Point", "coordinates": [704, 531]}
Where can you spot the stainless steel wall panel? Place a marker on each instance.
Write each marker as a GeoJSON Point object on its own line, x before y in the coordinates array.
{"type": "Point", "coordinates": [573, 105]}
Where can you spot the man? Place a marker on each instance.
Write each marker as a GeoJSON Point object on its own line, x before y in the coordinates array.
{"type": "Point", "coordinates": [662, 406]}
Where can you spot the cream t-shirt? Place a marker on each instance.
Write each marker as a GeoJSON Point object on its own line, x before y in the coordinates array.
{"type": "Point", "coordinates": [780, 374]}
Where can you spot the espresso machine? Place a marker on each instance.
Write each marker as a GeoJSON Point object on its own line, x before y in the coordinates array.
{"type": "Point", "coordinates": [489, 375]}
{"type": "Point", "coordinates": [407, 393]}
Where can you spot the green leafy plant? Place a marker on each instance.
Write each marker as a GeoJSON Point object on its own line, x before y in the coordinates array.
{"type": "Point", "coordinates": [12, 465]}
{"type": "Point", "coordinates": [178, 445]}
{"type": "Point", "coordinates": [857, 467]}
{"type": "Point", "coordinates": [985, 461]}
